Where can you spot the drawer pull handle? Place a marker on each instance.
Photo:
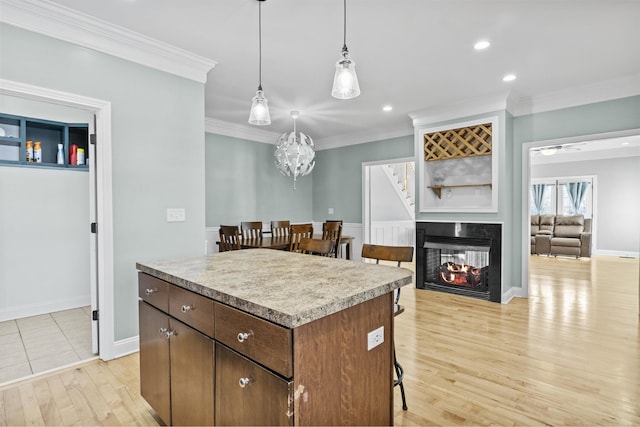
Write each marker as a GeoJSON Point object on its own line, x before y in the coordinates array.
{"type": "Point", "coordinates": [243, 382]}
{"type": "Point", "coordinates": [243, 336]}
{"type": "Point", "coordinates": [150, 291]}
{"type": "Point", "coordinates": [186, 308]}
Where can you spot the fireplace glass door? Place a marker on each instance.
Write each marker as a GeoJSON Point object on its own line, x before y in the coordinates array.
{"type": "Point", "coordinates": [458, 264]}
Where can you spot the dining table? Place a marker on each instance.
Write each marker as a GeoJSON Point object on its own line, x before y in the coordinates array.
{"type": "Point", "coordinates": [282, 243]}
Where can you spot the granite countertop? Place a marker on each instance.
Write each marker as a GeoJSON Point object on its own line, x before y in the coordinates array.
{"type": "Point", "coordinates": [286, 288]}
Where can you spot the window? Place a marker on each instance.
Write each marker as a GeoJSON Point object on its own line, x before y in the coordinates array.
{"type": "Point", "coordinates": [562, 196]}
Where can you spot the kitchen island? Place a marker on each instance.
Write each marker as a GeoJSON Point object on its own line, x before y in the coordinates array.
{"type": "Point", "coordinates": [264, 337]}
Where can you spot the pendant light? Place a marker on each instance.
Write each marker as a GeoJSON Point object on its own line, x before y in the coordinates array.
{"type": "Point", "coordinates": [294, 152]}
{"type": "Point", "coordinates": [259, 114]}
{"type": "Point", "coordinates": [345, 80]}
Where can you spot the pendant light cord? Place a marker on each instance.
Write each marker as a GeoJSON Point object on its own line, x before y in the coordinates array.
{"type": "Point", "coordinates": [260, 44]}
{"type": "Point", "coordinates": [344, 41]}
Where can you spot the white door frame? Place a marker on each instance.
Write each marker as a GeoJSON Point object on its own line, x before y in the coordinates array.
{"type": "Point", "coordinates": [526, 182]}
{"type": "Point", "coordinates": [366, 192]}
{"type": "Point", "coordinates": [103, 196]}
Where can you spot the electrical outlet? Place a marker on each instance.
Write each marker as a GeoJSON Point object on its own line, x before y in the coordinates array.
{"type": "Point", "coordinates": [176, 214]}
{"type": "Point", "coordinates": [330, 211]}
{"type": "Point", "coordinates": [375, 338]}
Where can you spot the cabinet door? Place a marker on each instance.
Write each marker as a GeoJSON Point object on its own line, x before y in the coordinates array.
{"type": "Point", "coordinates": [192, 376]}
{"type": "Point", "coordinates": [154, 360]}
{"type": "Point", "coordinates": [247, 394]}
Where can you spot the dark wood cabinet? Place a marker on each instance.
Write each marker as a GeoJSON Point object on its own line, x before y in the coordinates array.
{"type": "Point", "coordinates": [192, 374]}
{"type": "Point", "coordinates": [155, 376]}
{"type": "Point", "coordinates": [247, 394]}
{"type": "Point", "coordinates": [176, 360]}
{"type": "Point", "coordinates": [256, 372]}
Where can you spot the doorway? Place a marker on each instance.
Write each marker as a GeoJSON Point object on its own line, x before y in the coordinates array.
{"type": "Point", "coordinates": [45, 312]}
{"type": "Point", "coordinates": [388, 197]}
{"type": "Point", "coordinates": [101, 257]}
{"type": "Point", "coordinates": [596, 151]}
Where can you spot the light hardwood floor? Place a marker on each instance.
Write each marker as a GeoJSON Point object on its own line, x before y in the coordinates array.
{"type": "Point", "coordinates": [568, 355]}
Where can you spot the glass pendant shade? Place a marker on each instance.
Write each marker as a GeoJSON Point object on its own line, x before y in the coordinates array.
{"type": "Point", "coordinates": [345, 80]}
{"type": "Point", "coordinates": [259, 114]}
{"type": "Point", "coordinates": [295, 155]}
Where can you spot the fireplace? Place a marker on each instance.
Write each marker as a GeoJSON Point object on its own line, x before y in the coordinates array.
{"type": "Point", "coordinates": [459, 258]}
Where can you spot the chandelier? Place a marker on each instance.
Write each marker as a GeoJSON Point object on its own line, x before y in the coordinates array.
{"type": "Point", "coordinates": [295, 152]}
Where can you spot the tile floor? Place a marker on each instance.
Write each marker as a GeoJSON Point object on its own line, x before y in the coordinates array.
{"type": "Point", "coordinates": [36, 344]}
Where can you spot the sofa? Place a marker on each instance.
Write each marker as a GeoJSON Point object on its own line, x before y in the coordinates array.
{"type": "Point", "coordinates": [561, 235]}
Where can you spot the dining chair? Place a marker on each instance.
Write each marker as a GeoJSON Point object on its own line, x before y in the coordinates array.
{"type": "Point", "coordinates": [251, 229]}
{"type": "Point", "coordinates": [399, 254]}
{"type": "Point", "coordinates": [316, 247]}
{"type": "Point", "coordinates": [229, 238]}
{"type": "Point", "coordinates": [280, 228]}
{"type": "Point", "coordinates": [332, 230]}
{"type": "Point", "coordinates": [298, 232]}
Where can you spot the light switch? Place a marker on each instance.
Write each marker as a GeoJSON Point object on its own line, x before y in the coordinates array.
{"type": "Point", "coordinates": [176, 215]}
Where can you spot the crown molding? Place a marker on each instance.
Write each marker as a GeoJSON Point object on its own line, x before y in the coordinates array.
{"type": "Point", "coordinates": [360, 138]}
{"type": "Point", "coordinates": [253, 133]}
{"type": "Point", "coordinates": [60, 22]}
{"type": "Point", "coordinates": [234, 130]}
{"type": "Point", "coordinates": [461, 109]}
{"type": "Point", "coordinates": [580, 95]}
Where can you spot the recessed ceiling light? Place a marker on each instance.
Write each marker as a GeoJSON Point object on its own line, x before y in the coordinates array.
{"type": "Point", "coordinates": [482, 44]}
{"type": "Point", "coordinates": [387, 108]}
{"type": "Point", "coordinates": [509, 78]}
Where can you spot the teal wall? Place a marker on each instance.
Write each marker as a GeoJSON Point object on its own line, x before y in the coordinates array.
{"type": "Point", "coordinates": [337, 177]}
{"type": "Point", "coordinates": [608, 116]}
{"type": "Point", "coordinates": [157, 150]}
{"type": "Point", "coordinates": [243, 184]}
{"type": "Point", "coordinates": [341, 168]}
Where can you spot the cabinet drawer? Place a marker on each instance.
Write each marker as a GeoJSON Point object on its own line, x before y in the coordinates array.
{"type": "Point", "coordinates": [154, 291]}
{"type": "Point", "coordinates": [258, 339]}
{"type": "Point", "coordinates": [247, 394]}
{"type": "Point", "coordinates": [192, 309]}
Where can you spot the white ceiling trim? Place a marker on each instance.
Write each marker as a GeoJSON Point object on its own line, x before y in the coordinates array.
{"type": "Point", "coordinates": [360, 138]}
{"type": "Point", "coordinates": [60, 22]}
{"type": "Point", "coordinates": [598, 92]}
{"type": "Point", "coordinates": [251, 133]}
{"type": "Point", "coordinates": [461, 109]}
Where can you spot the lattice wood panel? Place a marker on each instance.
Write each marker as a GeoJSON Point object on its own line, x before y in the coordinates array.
{"type": "Point", "coordinates": [458, 143]}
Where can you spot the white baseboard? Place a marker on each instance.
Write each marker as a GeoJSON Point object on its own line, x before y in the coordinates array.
{"type": "Point", "coordinates": [126, 347]}
{"type": "Point", "coordinates": [512, 293]}
{"type": "Point", "coordinates": [20, 312]}
{"type": "Point", "coordinates": [624, 254]}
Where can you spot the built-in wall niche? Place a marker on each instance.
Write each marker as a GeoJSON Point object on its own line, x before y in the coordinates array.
{"type": "Point", "coordinates": [458, 166]}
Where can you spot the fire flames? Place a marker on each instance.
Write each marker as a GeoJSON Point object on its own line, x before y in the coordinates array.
{"type": "Point", "coordinates": [460, 274]}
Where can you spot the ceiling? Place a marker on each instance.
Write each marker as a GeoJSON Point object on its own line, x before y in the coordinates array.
{"type": "Point", "coordinates": [410, 54]}
{"type": "Point", "coordinates": [599, 149]}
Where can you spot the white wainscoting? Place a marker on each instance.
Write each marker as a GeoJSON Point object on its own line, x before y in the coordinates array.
{"type": "Point", "coordinates": [393, 233]}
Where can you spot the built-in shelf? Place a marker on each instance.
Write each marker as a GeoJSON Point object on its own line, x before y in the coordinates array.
{"type": "Point", "coordinates": [17, 131]}
{"type": "Point", "coordinates": [438, 188]}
